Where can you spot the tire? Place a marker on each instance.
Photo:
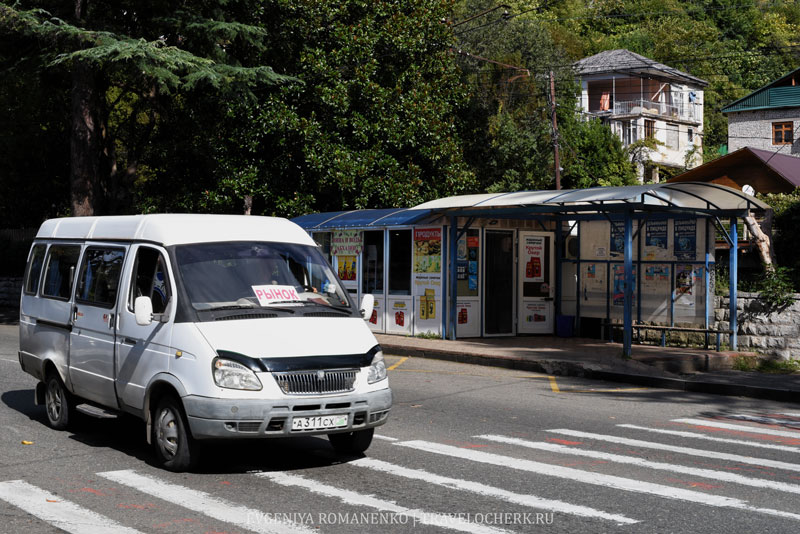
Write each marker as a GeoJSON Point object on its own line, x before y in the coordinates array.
{"type": "Point", "coordinates": [58, 402]}
{"type": "Point", "coordinates": [174, 447]}
{"type": "Point", "coordinates": [352, 443]}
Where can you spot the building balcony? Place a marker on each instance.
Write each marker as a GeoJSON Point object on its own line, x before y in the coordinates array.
{"type": "Point", "coordinates": [691, 112]}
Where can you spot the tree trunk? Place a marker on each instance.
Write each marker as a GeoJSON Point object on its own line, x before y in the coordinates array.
{"type": "Point", "coordinates": [763, 243]}
{"type": "Point", "coordinates": [89, 160]}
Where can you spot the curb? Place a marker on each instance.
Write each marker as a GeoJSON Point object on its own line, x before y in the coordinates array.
{"type": "Point", "coordinates": [570, 368]}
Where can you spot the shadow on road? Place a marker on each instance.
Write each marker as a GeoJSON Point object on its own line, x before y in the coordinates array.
{"type": "Point", "coordinates": [127, 434]}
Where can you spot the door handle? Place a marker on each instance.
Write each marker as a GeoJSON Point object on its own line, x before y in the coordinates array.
{"type": "Point", "coordinates": [128, 341]}
{"type": "Point", "coordinates": [111, 319]}
{"type": "Point", "coordinates": [74, 313]}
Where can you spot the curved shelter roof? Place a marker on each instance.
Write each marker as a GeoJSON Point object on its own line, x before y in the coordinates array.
{"type": "Point", "coordinates": [687, 197]}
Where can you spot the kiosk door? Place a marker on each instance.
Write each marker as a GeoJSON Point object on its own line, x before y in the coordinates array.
{"type": "Point", "coordinates": [498, 285]}
{"type": "Point", "coordinates": [535, 298]}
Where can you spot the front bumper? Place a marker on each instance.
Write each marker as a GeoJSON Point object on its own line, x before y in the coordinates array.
{"type": "Point", "coordinates": [211, 418]}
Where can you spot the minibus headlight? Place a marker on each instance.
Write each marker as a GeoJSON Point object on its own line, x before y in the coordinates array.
{"type": "Point", "coordinates": [234, 375]}
{"type": "Point", "coordinates": [377, 369]}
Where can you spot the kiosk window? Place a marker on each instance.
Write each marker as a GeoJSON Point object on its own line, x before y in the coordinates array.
{"type": "Point", "coordinates": [99, 278]}
{"type": "Point", "coordinates": [34, 270]}
{"type": "Point", "coordinates": [150, 279]}
{"type": "Point", "coordinates": [61, 262]}
{"type": "Point", "coordinates": [400, 262]}
{"type": "Point", "coordinates": [372, 264]}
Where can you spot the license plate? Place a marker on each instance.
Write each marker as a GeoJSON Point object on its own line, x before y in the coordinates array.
{"type": "Point", "coordinates": [319, 422]}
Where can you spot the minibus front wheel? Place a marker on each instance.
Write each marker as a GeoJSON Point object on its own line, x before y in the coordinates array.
{"type": "Point", "coordinates": [174, 446]}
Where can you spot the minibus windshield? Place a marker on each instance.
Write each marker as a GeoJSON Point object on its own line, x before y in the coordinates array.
{"type": "Point", "coordinates": [241, 275]}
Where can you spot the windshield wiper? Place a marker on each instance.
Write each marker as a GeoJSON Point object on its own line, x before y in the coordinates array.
{"type": "Point", "coordinates": [245, 307]}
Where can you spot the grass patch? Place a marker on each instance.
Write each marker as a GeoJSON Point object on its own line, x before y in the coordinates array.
{"type": "Point", "coordinates": [763, 365]}
{"type": "Point", "coordinates": [429, 335]}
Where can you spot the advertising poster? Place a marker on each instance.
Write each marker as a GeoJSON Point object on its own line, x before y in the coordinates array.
{"type": "Point", "coordinates": [347, 267]}
{"type": "Point", "coordinates": [619, 286]}
{"type": "Point", "coordinates": [686, 290]}
{"type": "Point", "coordinates": [346, 243]}
{"type": "Point", "coordinates": [427, 250]}
{"type": "Point", "coordinates": [617, 246]}
{"type": "Point", "coordinates": [536, 312]}
{"type": "Point", "coordinates": [656, 280]}
{"type": "Point", "coordinates": [399, 315]}
{"type": "Point", "coordinates": [655, 241]}
{"type": "Point", "coordinates": [685, 239]}
{"type": "Point", "coordinates": [428, 278]}
{"type": "Point", "coordinates": [533, 258]}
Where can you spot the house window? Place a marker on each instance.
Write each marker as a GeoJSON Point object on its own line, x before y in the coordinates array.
{"type": "Point", "coordinates": [628, 132]}
{"type": "Point", "coordinates": [690, 135]}
{"type": "Point", "coordinates": [782, 133]}
{"type": "Point", "coordinates": [649, 129]}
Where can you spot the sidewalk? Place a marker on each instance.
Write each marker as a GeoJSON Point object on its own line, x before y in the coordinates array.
{"type": "Point", "coordinates": [702, 371]}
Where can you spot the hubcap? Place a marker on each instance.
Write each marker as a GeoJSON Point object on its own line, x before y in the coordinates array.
{"type": "Point", "coordinates": [167, 432]}
{"type": "Point", "coordinates": [53, 401]}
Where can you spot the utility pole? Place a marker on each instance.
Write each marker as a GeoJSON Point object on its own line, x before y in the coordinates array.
{"type": "Point", "coordinates": [555, 130]}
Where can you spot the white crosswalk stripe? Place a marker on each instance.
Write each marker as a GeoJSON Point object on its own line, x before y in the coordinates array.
{"type": "Point", "coordinates": [204, 503]}
{"type": "Point", "coordinates": [60, 513]}
{"type": "Point", "coordinates": [588, 477]}
{"type": "Point", "coordinates": [740, 428]}
{"type": "Point", "coordinates": [695, 435]}
{"type": "Point", "coordinates": [532, 501]}
{"type": "Point", "coordinates": [765, 420]}
{"type": "Point", "coordinates": [719, 476]}
{"type": "Point", "coordinates": [358, 499]}
{"type": "Point", "coordinates": [763, 462]}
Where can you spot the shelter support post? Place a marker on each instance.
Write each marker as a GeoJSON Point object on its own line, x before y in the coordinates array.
{"type": "Point", "coordinates": [627, 327]}
{"type": "Point", "coordinates": [734, 275]}
{"type": "Point", "coordinates": [453, 279]}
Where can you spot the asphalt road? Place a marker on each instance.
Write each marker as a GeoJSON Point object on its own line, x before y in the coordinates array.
{"type": "Point", "coordinates": [467, 449]}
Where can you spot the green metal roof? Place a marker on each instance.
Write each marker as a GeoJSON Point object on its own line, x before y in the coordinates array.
{"type": "Point", "coordinates": [774, 95]}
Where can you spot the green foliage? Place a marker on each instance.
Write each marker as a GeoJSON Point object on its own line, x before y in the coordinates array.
{"type": "Point", "coordinates": [785, 238]}
{"type": "Point", "coordinates": [776, 288]}
{"type": "Point", "coordinates": [764, 365]}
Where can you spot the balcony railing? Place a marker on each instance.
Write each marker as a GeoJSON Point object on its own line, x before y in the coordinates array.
{"type": "Point", "coordinates": [688, 112]}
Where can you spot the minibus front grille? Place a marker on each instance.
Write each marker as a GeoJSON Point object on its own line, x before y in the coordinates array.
{"type": "Point", "coordinates": [316, 382]}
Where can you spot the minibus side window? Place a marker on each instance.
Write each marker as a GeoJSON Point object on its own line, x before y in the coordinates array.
{"type": "Point", "coordinates": [99, 278]}
{"type": "Point", "coordinates": [150, 279]}
{"type": "Point", "coordinates": [61, 262]}
{"type": "Point", "coordinates": [34, 270]}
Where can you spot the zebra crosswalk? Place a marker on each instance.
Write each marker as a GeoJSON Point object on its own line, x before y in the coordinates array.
{"type": "Point", "coordinates": [628, 470]}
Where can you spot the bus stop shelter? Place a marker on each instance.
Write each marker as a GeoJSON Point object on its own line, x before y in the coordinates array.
{"type": "Point", "coordinates": [602, 237]}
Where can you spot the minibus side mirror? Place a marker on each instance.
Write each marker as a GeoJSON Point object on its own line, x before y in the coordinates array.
{"type": "Point", "coordinates": [143, 310]}
{"type": "Point", "coordinates": [367, 303]}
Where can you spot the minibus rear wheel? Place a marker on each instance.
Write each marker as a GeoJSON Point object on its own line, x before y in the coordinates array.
{"type": "Point", "coordinates": [57, 401]}
{"type": "Point", "coordinates": [352, 442]}
{"type": "Point", "coordinates": [174, 447]}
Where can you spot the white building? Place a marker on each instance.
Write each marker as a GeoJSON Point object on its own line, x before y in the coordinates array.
{"type": "Point", "coordinates": [641, 98]}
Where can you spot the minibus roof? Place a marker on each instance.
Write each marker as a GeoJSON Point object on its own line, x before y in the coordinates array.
{"type": "Point", "coordinates": [175, 229]}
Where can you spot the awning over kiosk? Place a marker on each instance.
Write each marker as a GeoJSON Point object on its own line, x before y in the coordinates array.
{"type": "Point", "coordinates": [361, 218]}
{"type": "Point", "coordinates": [696, 197]}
